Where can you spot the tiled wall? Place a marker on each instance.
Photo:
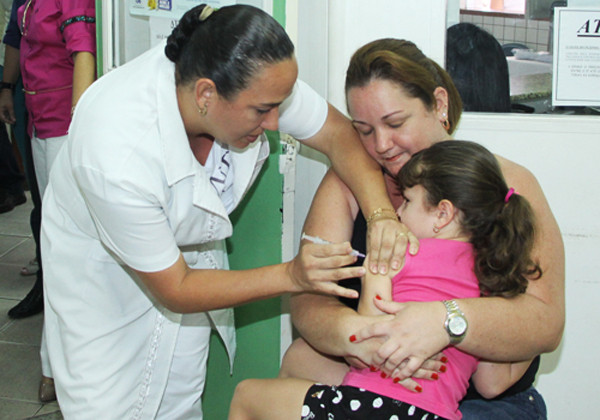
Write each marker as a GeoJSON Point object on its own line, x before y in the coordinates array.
{"type": "Point", "coordinates": [532, 33]}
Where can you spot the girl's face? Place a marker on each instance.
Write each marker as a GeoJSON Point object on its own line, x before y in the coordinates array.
{"type": "Point", "coordinates": [417, 214]}
{"type": "Point", "coordinates": [392, 125]}
{"type": "Point", "coordinates": [241, 120]}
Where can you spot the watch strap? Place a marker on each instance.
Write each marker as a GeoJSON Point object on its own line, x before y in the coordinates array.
{"type": "Point", "coordinates": [453, 311]}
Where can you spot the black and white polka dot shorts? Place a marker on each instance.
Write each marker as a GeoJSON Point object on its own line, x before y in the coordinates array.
{"type": "Point", "coordinates": [325, 402]}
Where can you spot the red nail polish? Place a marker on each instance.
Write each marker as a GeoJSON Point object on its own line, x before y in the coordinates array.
{"type": "Point", "coordinates": [443, 369]}
{"type": "Point", "coordinates": [383, 375]}
{"type": "Point", "coordinates": [373, 368]}
{"type": "Point", "coordinates": [434, 375]}
{"type": "Point", "coordinates": [352, 338]}
{"type": "Point", "coordinates": [378, 297]}
{"type": "Point", "coordinates": [419, 389]}
{"type": "Point", "coordinates": [396, 380]}
{"type": "Point", "coordinates": [444, 359]}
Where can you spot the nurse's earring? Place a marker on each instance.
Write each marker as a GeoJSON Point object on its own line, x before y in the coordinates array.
{"type": "Point", "coordinates": [202, 111]}
{"type": "Point", "coordinates": [436, 229]}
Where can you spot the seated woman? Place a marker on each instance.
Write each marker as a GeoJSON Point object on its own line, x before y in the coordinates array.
{"type": "Point", "coordinates": [473, 227]}
{"type": "Point", "coordinates": [401, 102]}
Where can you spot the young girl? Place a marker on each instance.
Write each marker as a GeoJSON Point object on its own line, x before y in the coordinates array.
{"type": "Point", "coordinates": [476, 236]}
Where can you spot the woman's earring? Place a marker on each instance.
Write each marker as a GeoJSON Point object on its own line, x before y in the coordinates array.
{"type": "Point", "coordinates": [445, 123]}
{"type": "Point", "coordinates": [202, 111]}
{"type": "Point", "coordinates": [436, 229]}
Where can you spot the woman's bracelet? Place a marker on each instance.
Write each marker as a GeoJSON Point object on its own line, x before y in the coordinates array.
{"type": "Point", "coordinates": [382, 213]}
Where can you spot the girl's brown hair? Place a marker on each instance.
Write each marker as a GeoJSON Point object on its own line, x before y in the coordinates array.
{"type": "Point", "coordinates": [499, 223]}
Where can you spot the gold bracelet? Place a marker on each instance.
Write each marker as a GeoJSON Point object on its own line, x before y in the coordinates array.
{"type": "Point", "coordinates": [382, 213]}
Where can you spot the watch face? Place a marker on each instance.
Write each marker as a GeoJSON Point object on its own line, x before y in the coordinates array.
{"type": "Point", "coordinates": [457, 325]}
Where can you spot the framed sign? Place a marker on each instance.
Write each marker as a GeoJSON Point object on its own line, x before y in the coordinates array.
{"type": "Point", "coordinates": [576, 60]}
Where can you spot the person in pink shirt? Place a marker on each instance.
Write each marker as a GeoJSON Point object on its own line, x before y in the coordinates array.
{"type": "Point", "coordinates": [476, 236]}
{"type": "Point", "coordinates": [56, 59]}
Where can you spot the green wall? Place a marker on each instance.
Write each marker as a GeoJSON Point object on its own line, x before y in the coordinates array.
{"type": "Point", "coordinates": [256, 242]}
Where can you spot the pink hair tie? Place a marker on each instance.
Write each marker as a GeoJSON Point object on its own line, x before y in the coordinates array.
{"type": "Point", "coordinates": [510, 192]}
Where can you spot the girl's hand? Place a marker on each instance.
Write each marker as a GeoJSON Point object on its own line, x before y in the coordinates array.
{"type": "Point", "coordinates": [387, 240]}
{"type": "Point", "coordinates": [412, 336]}
{"type": "Point", "coordinates": [430, 370]}
{"type": "Point", "coordinates": [318, 268]}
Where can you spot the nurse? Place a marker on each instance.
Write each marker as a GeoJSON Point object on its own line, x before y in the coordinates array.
{"type": "Point", "coordinates": [160, 151]}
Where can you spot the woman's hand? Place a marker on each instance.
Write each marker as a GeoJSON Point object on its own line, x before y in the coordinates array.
{"type": "Point", "coordinates": [7, 110]}
{"type": "Point", "coordinates": [413, 335]}
{"type": "Point", "coordinates": [318, 268]}
{"type": "Point", "coordinates": [387, 240]}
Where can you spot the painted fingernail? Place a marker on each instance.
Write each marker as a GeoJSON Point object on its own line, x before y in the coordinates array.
{"type": "Point", "coordinates": [383, 375]}
{"type": "Point", "coordinates": [419, 389]}
{"type": "Point", "coordinates": [378, 297]}
{"type": "Point", "coordinates": [373, 368]}
{"type": "Point", "coordinates": [396, 380]}
{"type": "Point", "coordinates": [443, 368]}
{"type": "Point", "coordinates": [434, 375]}
{"type": "Point", "coordinates": [444, 359]}
{"type": "Point", "coordinates": [352, 338]}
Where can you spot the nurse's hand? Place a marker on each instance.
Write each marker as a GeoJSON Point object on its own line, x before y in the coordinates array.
{"type": "Point", "coordinates": [387, 240]}
{"type": "Point", "coordinates": [318, 268]}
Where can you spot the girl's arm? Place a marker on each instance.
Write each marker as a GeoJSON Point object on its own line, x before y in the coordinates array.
{"type": "Point", "coordinates": [492, 379]}
{"type": "Point", "coordinates": [374, 286]}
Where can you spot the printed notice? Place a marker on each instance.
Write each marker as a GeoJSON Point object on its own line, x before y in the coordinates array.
{"type": "Point", "coordinates": [576, 75]}
{"type": "Point", "coordinates": [172, 9]}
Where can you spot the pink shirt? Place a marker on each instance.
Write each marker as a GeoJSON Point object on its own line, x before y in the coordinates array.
{"type": "Point", "coordinates": [52, 31]}
{"type": "Point", "coordinates": [443, 269]}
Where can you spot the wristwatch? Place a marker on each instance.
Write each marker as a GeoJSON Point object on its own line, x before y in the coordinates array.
{"type": "Point", "coordinates": [456, 324]}
{"type": "Point", "coordinates": [6, 85]}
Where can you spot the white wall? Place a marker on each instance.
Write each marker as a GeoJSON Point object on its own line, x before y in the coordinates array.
{"type": "Point", "coordinates": [562, 153]}
{"type": "Point", "coordinates": [560, 150]}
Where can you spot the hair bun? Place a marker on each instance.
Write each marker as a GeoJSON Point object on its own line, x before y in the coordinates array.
{"type": "Point", "coordinates": [183, 31]}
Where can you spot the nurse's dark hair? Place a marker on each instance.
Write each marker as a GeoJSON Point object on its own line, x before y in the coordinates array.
{"type": "Point", "coordinates": [228, 47]}
{"type": "Point", "coordinates": [499, 222]}
{"type": "Point", "coordinates": [402, 63]}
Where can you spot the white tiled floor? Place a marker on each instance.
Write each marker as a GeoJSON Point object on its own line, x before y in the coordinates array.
{"type": "Point", "coordinates": [20, 368]}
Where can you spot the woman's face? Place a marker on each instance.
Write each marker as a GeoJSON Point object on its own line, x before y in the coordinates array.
{"type": "Point", "coordinates": [241, 120]}
{"type": "Point", "coordinates": [392, 125]}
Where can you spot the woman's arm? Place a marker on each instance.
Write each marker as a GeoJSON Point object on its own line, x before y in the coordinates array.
{"type": "Point", "coordinates": [182, 289]}
{"type": "Point", "coordinates": [492, 379]}
{"type": "Point", "coordinates": [316, 268]}
{"type": "Point", "coordinates": [324, 321]}
{"type": "Point", "coordinates": [11, 73]}
{"type": "Point", "coordinates": [84, 74]}
{"type": "Point", "coordinates": [339, 141]}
